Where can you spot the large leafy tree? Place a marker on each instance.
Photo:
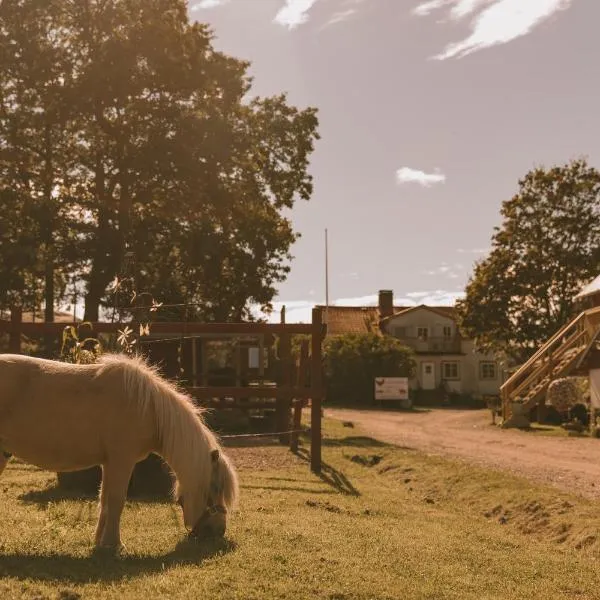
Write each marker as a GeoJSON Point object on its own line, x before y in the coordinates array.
{"type": "Point", "coordinates": [34, 156]}
{"type": "Point", "coordinates": [547, 247]}
{"type": "Point", "coordinates": [166, 156]}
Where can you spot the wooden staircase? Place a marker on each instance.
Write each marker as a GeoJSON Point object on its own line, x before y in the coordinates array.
{"type": "Point", "coordinates": [556, 358]}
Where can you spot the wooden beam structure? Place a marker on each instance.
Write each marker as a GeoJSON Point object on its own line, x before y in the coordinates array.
{"type": "Point", "coordinates": [175, 328]}
{"type": "Point", "coordinates": [289, 393]}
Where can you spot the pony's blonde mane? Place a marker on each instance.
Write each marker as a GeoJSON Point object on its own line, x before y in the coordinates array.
{"type": "Point", "coordinates": [185, 441]}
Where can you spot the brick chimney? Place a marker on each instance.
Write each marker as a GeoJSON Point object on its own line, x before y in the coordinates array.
{"type": "Point", "coordinates": [386, 303]}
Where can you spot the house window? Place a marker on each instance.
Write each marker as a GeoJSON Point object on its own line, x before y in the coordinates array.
{"type": "Point", "coordinates": [447, 331]}
{"type": "Point", "coordinates": [422, 333]}
{"type": "Point", "coordinates": [450, 370]}
{"type": "Point", "coordinates": [488, 370]}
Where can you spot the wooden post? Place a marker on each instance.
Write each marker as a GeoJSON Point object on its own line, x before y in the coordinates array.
{"type": "Point", "coordinates": [261, 358]}
{"type": "Point", "coordinates": [283, 405]}
{"type": "Point", "coordinates": [204, 361]}
{"type": "Point", "coordinates": [14, 340]}
{"type": "Point", "coordinates": [299, 402]}
{"type": "Point", "coordinates": [194, 362]}
{"type": "Point", "coordinates": [238, 363]}
{"type": "Point", "coordinates": [316, 381]}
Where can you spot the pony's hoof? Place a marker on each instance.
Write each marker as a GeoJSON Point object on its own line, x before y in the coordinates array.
{"type": "Point", "coordinates": [109, 550]}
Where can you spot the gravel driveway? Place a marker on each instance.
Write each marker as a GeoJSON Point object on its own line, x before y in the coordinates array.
{"type": "Point", "coordinates": [570, 463]}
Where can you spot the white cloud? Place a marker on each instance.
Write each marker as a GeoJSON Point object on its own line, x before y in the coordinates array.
{"type": "Point", "coordinates": [474, 250]}
{"type": "Point", "coordinates": [208, 4]}
{"type": "Point", "coordinates": [294, 13]}
{"type": "Point", "coordinates": [409, 175]}
{"type": "Point", "coordinates": [338, 17]}
{"type": "Point", "coordinates": [464, 8]}
{"type": "Point", "coordinates": [351, 275]}
{"type": "Point", "coordinates": [449, 271]}
{"type": "Point", "coordinates": [426, 8]}
{"type": "Point", "coordinates": [496, 21]}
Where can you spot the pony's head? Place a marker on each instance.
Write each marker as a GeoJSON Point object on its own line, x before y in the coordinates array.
{"type": "Point", "coordinates": [210, 520]}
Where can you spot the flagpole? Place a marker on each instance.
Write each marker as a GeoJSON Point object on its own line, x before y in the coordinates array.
{"type": "Point", "coordinates": [326, 278]}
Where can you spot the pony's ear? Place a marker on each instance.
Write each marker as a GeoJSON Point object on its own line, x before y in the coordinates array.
{"type": "Point", "coordinates": [215, 455]}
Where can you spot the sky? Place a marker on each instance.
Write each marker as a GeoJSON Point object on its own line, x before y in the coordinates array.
{"type": "Point", "coordinates": [430, 112]}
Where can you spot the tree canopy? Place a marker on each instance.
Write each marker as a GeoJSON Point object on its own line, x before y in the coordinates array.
{"type": "Point", "coordinates": [546, 249]}
{"type": "Point", "coordinates": [353, 361]}
{"type": "Point", "coordinates": [123, 130]}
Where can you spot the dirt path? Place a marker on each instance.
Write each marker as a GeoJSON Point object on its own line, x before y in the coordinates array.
{"type": "Point", "coordinates": [570, 463]}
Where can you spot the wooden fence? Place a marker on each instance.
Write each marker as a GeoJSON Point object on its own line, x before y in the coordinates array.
{"type": "Point", "coordinates": [299, 382]}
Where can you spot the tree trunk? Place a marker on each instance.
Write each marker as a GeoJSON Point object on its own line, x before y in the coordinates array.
{"type": "Point", "coordinates": [49, 339]}
{"type": "Point", "coordinates": [103, 260]}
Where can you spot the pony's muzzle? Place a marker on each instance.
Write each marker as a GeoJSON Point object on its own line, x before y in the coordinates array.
{"type": "Point", "coordinates": [212, 523]}
{"type": "Point", "coordinates": [208, 530]}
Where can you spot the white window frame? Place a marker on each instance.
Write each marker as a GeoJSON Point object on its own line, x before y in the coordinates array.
{"type": "Point", "coordinates": [447, 363]}
{"type": "Point", "coordinates": [488, 363]}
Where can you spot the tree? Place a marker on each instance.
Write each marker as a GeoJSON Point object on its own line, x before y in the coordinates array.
{"type": "Point", "coordinates": [352, 361]}
{"type": "Point", "coordinates": [143, 138]}
{"type": "Point", "coordinates": [34, 156]}
{"type": "Point", "coordinates": [547, 248]}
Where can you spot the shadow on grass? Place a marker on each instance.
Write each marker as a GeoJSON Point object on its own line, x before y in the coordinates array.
{"type": "Point", "coordinates": [542, 429]}
{"type": "Point", "coordinates": [57, 494]}
{"type": "Point", "coordinates": [285, 488]}
{"type": "Point", "coordinates": [332, 476]}
{"type": "Point", "coordinates": [104, 567]}
{"type": "Point", "coordinates": [263, 440]}
{"type": "Point", "coordinates": [356, 441]}
{"type": "Point", "coordinates": [388, 407]}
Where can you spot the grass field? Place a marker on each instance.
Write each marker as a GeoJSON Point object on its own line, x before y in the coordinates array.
{"type": "Point", "coordinates": [382, 523]}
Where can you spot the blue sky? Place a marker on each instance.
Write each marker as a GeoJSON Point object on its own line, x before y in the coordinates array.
{"type": "Point", "coordinates": [430, 112]}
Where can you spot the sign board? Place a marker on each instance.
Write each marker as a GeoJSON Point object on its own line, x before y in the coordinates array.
{"type": "Point", "coordinates": [391, 388]}
{"type": "Point", "coordinates": [254, 358]}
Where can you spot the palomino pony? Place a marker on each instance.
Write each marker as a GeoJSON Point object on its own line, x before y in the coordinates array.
{"type": "Point", "coordinates": [66, 417]}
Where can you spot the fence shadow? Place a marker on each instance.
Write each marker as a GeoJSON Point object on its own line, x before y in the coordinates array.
{"type": "Point", "coordinates": [356, 441]}
{"type": "Point", "coordinates": [102, 567]}
{"type": "Point", "coordinates": [331, 475]}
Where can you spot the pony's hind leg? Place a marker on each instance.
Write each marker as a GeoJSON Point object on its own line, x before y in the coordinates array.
{"type": "Point", "coordinates": [113, 492]}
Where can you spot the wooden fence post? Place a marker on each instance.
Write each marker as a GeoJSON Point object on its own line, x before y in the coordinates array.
{"type": "Point", "coordinates": [316, 381]}
{"type": "Point", "coordinates": [14, 340]}
{"type": "Point", "coordinates": [299, 402]}
{"type": "Point", "coordinates": [283, 404]}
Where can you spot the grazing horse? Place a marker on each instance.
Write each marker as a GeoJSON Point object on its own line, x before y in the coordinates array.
{"type": "Point", "coordinates": [66, 417]}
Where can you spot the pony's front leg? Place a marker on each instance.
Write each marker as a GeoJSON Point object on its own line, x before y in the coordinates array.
{"type": "Point", "coordinates": [4, 458]}
{"type": "Point", "coordinates": [113, 492]}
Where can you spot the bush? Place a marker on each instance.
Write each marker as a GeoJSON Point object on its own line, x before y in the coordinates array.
{"type": "Point", "coordinates": [352, 362]}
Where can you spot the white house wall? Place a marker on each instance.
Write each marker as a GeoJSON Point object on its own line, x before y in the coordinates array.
{"type": "Point", "coordinates": [469, 382]}
{"type": "Point", "coordinates": [420, 318]}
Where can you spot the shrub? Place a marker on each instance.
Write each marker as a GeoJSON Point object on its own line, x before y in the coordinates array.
{"type": "Point", "coordinates": [352, 361]}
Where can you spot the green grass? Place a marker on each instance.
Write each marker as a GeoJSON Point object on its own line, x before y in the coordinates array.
{"type": "Point", "coordinates": [555, 431]}
{"type": "Point", "coordinates": [381, 523]}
